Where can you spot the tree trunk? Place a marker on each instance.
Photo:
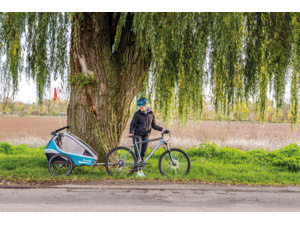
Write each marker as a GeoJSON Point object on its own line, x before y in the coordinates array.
{"type": "Point", "coordinates": [103, 83]}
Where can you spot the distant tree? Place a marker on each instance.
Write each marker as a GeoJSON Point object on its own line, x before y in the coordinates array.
{"type": "Point", "coordinates": [7, 105]}
{"type": "Point", "coordinates": [19, 108]}
{"type": "Point", "coordinates": [48, 101]}
{"type": "Point", "coordinates": [271, 112]}
{"type": "Point", "coordinates": [35, 113]}
{"type": "Point", "coordinates": [241, 111]}
{"type": "Point", "coordinates": [6, 95]}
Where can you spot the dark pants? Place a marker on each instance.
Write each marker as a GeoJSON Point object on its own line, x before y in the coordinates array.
{"type": "Point", "coordinates": [142, 146]}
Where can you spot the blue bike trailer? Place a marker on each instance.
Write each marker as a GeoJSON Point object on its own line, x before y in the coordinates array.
{"type": "Point", "coordinates": [68, 144]}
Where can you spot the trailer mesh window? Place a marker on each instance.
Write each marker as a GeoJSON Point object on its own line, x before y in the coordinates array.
{"type": "Point", "coordinates": [71, 146]}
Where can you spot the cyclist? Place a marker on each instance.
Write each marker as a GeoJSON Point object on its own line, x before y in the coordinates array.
{"type": "Point", "coordinates": [141, 124]}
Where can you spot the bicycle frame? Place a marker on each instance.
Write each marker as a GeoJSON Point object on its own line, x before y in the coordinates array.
{"type": "Point", "coordinates": [171, 162]}
{"type": "Point", "coordinates": [151, 153]}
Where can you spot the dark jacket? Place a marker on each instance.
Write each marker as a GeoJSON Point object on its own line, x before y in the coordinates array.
{"type": "Point", "coordinates": [142, 122]}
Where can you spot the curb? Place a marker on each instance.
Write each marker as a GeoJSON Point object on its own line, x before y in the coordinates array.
{"type": "Point", "coordinates": [170, 187]}
{"type": "Point", "coordinates": [182, 187]}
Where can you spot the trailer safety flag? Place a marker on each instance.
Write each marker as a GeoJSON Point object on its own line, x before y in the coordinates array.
{"type": "Point", "coordinates": [55, 94]}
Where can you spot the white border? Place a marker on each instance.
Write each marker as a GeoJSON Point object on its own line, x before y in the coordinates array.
{"type": "Point", "coordinates": [150, 6]}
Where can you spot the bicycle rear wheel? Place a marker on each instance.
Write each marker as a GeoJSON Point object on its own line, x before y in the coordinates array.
{"type": "Point", "coordinates": [178, 167]}
{"type": "Point", "coordinates": [120, 161]}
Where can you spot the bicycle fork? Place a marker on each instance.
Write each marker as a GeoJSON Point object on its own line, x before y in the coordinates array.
{"type": "Point", "coordinates": [168, 149]}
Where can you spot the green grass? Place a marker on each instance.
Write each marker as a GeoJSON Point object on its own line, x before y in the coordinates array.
{"type": "Point", "coordinates": [209, 163]}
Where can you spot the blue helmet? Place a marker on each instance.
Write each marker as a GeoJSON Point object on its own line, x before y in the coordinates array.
{"type": "Point", "coordinates": [141, 102]}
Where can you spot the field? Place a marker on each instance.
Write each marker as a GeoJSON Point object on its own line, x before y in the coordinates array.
{"type": "Point", "coordinates": [35, 131]}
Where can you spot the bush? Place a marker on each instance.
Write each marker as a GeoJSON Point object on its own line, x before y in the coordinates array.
{"type": "Point", "coordinates": [21, 149]}
{"type": "Point", "coordinates": [287, 157]}
{"type": "Point", "coordinates": [209, 151]}
{"type": "Point", "coordinates": [6, 148]}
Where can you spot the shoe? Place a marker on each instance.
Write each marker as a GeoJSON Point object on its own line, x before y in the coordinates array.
{"type": "Point", "coordinates": [142, 174]}
{"type": "Point", "coordinates": [139, 174]}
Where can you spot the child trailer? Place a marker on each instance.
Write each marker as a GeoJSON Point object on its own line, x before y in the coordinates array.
{"type": "Point", "coordinates": [65, 151]}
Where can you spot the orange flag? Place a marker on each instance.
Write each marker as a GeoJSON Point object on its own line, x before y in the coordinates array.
{"type": "Point", "coordinates": [55, 94]}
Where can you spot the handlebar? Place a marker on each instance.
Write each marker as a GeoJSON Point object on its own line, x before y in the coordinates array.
{"type": "Point", "coordinates": [166, 131]}
{"type": "Point", "coordinates": [139, 137]}
{"type": "Point", "coordinates": [54, 132]}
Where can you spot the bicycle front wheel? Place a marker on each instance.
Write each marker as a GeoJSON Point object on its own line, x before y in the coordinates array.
{"type": "Point", "coordinates": [120, 161]}
{"type": "Point", "coordinates": [174, 163]}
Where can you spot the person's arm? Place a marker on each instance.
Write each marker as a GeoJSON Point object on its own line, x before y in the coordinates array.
{"type": "Point", "coordinates": [154, 126]}
{"type": "Point", "coordinates": [133, 124]}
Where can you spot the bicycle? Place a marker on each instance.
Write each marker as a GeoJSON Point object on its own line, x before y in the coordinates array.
{"type": "Point", "coordinates": [123, 161]}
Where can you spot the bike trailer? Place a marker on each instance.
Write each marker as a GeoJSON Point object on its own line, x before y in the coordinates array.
{"type": "Point", "coordinates": [72, 146]}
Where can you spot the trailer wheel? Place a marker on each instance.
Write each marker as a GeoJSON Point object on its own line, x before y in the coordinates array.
{"type": "Point", "coordinates": [60, 165]}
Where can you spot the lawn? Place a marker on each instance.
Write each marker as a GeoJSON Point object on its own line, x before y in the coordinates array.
{"type": "Point", "coordinates": [209, 163]}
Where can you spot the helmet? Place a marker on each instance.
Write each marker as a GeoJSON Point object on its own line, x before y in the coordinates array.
{"type": "Point", "coordinates": [141, 102]}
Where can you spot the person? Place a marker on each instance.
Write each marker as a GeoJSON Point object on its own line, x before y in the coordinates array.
{"type": "Point", "coordinates": [141, 124]}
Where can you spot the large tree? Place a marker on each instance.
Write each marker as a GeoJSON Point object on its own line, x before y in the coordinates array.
{"type": "Point", "coordinates": [109, 58]}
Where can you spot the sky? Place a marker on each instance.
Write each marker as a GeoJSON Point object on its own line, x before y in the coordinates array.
{"type": "Point", "coordinates": [27, 90]}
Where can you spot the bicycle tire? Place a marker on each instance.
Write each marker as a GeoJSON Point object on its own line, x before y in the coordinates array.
{"type": "Point", "coordinates": [166, 166]}
{"type": "Point", "coordinates": [114, 167]}
{"type": "Point", "coordinates": [63, 162]}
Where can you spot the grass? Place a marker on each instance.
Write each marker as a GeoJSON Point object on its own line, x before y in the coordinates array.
{"type": "Point", "coordinates": [209, 163]}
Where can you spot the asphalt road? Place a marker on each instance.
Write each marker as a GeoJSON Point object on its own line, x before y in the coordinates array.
{"type": "Point", "coordinates": [170, 198]}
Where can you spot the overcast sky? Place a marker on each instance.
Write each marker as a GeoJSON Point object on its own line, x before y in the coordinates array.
{"type": "Point", "coordinates": [27, 90]}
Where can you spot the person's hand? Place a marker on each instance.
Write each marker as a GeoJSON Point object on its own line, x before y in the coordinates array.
{"type": "Point", "coordinates": [129, 135]}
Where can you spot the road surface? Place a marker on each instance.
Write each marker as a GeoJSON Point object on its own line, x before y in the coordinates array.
{"type": "Point", "coordinates": [158, 198]}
